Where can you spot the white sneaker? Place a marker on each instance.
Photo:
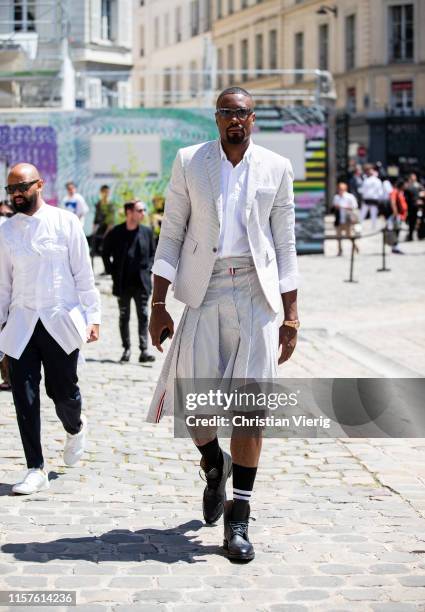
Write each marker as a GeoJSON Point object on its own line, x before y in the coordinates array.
{"type": "Point", "coordinates": [75, 444]}
{"type": "Point", "coordinates": [35, 480]}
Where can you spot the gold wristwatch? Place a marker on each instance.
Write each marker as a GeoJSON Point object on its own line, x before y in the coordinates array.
{"type": "Point", "coordinates": [295, 323]}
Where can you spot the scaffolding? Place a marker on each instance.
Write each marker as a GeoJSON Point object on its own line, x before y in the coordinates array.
{"type": "Point", "coordinates": [32, 51]}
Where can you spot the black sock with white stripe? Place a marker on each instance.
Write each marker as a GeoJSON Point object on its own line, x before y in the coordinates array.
{"type": "Point", "coordinates": [243, 483]}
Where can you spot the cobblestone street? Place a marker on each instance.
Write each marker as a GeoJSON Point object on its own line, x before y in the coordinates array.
{"type": "Point", "coordinates": [340, 523]}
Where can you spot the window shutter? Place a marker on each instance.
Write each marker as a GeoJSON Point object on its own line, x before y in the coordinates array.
{"type": "Point", "coordinates": [125, 25]}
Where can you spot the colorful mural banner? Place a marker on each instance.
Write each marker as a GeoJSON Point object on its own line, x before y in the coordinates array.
{"type": "Point", "coordinates": [132, 150]}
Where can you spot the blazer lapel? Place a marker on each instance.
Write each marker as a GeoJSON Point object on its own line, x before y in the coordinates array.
{"type": "Point", "coordinates": [253, 180]}
{"type": "Point", "coordinates": [213, 163]}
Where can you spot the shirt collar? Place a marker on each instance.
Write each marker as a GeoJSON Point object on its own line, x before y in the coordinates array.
{"type": "Point", "coordinates": [37, 215]}
{"type": "Point", "coordinates": [245, 159]}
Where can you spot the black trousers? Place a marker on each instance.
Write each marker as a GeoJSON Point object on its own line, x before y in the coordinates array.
{"type": "Point", "coordinates": [140, 298]}
{"type": "Point", "coordinates": [412, 218]}
{"type": "Point", "coordinates": [60, 372]}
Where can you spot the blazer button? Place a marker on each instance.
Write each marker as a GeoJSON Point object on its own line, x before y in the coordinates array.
{"type": "Point", "coordinates": [215, 250]}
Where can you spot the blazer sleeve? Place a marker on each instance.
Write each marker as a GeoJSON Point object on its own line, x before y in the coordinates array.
{"type": "Point", "coordinates": [176, 215]}
{"type": "Point", "coordinates": [282, 223]}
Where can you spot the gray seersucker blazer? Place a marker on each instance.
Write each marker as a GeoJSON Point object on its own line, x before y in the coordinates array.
{"type": "Point", "coordinates": [193, 212]}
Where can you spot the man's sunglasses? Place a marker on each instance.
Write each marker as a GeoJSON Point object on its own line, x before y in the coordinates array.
{"type": "Point", "coordinates": [10, 214]}
{"type": "Point", "coordinates": [21, 187]}
{"type": "Point", "coordinates": [240, 113]}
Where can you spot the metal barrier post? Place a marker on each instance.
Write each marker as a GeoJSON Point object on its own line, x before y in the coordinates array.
{"type": "Point", "coordinates": [353, 248]}
{"type": "Point", "coordinates": [384, 268]}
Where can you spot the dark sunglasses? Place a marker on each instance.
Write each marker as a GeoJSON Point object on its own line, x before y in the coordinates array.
{"type": "Point", "coordinates": [229, 113]}
{"type": "Point", "coordinates": [6, 214]}
{"type": "Point", "coordinates": [21, 187]}
{"type": "Point", "coordinates": [140, 210]}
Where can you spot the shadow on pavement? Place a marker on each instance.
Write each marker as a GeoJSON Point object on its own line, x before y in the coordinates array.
{"type": "Point", "coordinates": [6, 489]}
{"type": "Point", "coordinates": [164, 545]}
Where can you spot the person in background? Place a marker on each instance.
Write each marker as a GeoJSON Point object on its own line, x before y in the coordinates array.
{"type": "Point", "coordinates": [75, 203]}
{"type": "Point", "coordinates": [355, 183]}
{"type": "Point", "coordinates": [387, 189]}
{"type": "Point", "coordinates": [104, 220]}
{"type": "Point", "coordinates": [344, 203]}
{"type": "Point", "coordinates": [412, 191]}
{"type": "Point", "coordinates": [6, 211]}
{"type": "Point", "coordinates": [398, 212]}
{"type": "Point", "coordinates": [128, 253]}
{"type": "Point", "coordinates": [371, 192]}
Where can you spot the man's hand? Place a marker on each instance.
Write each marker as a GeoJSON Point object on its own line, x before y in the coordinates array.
{"type": "Point", "coordinates": [160, 320]}
{"type": "Point", "coordinates": [92, 333]}
{"type": "Point", "coordinates": [288, 342]}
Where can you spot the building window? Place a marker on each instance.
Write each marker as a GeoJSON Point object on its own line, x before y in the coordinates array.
{"type": "Point", "coordinates": [193, 79]}
{"type": "Point", "coordinates": [194, 17]}
{"type": "Point", "coordinates": [402, 95]}
{"type": "Point", "coordinates": [178, 84]}
{"type": "Point", "coordinates": [167, 87]}
{"type": "Point", "coordinates": [178, 23]}
{"type": "Point", "coordinates": [244, 58]}
{"type": "Point", "coordinates": [231, 62]}
{"type": "Point", "coordinates": [142, 93]}
{"type": "Point", "coordinates": [219, 9]}
{"type": "Point", "coordinates": [23, 18]}
{"type": "Point", "coordinates": [230, 7]}
{"type": "Point", "coordinates": [166, 29]}
{"type": "Point", "coordinates": [350, 42]}
{"type": "Point", "coordinates": [220, 68]}
{"type": "Point", "coordinates": [106, 20]}
{"type": "Point", "coordinates": [156, 33]}
{"type": "Point", "coordinates": [208, 16]}
{"type": "Point", "coordinates": [259, 64]}
{"type": "Point", "coordinates": [142, 41]}
{"type": "Point", "coordinates": [273, 49]}
{"type": "Point", "coordinates": [323, 46]}
{"type": "Point", "coordinates": [299, 55]}
{"type": "Point", "coordinates": [351, 100]}
{"type": "Point", "coordinates": [401, 37]}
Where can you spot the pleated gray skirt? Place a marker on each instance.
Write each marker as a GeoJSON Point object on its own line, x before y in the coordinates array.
{"type": "Point", "coordinates": [233, 334]}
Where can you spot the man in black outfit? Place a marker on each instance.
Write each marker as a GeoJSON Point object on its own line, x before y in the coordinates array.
{"type": "Point", "coordinates": [128, 253]}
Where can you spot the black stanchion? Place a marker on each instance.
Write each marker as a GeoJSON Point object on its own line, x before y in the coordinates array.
{"type": "Point", "coordinates": [353, 249]}
{"type": "Point", "coordinates": [384, 268]}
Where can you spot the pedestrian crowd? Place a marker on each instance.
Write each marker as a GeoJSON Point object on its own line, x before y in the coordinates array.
{"type": "Point", "coordinates": [370, 193]}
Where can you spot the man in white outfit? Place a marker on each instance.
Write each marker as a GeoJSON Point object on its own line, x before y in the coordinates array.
{"type": "Point", "coordinates": [372, 192]}
{"type": "Point", "coordinates": [227, 242]}
{"type": "Point", "coordinates": [75, 203]}
{"type": "Point", "coordinates": [50, 307]}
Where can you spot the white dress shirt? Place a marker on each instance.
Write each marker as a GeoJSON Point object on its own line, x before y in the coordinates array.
{"type": "Point", "coordinates": [371, 188]}
{"type": "Point", "coordinates": [46, 274]}
{"type": "Point", "coordinates": [233, 237]}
